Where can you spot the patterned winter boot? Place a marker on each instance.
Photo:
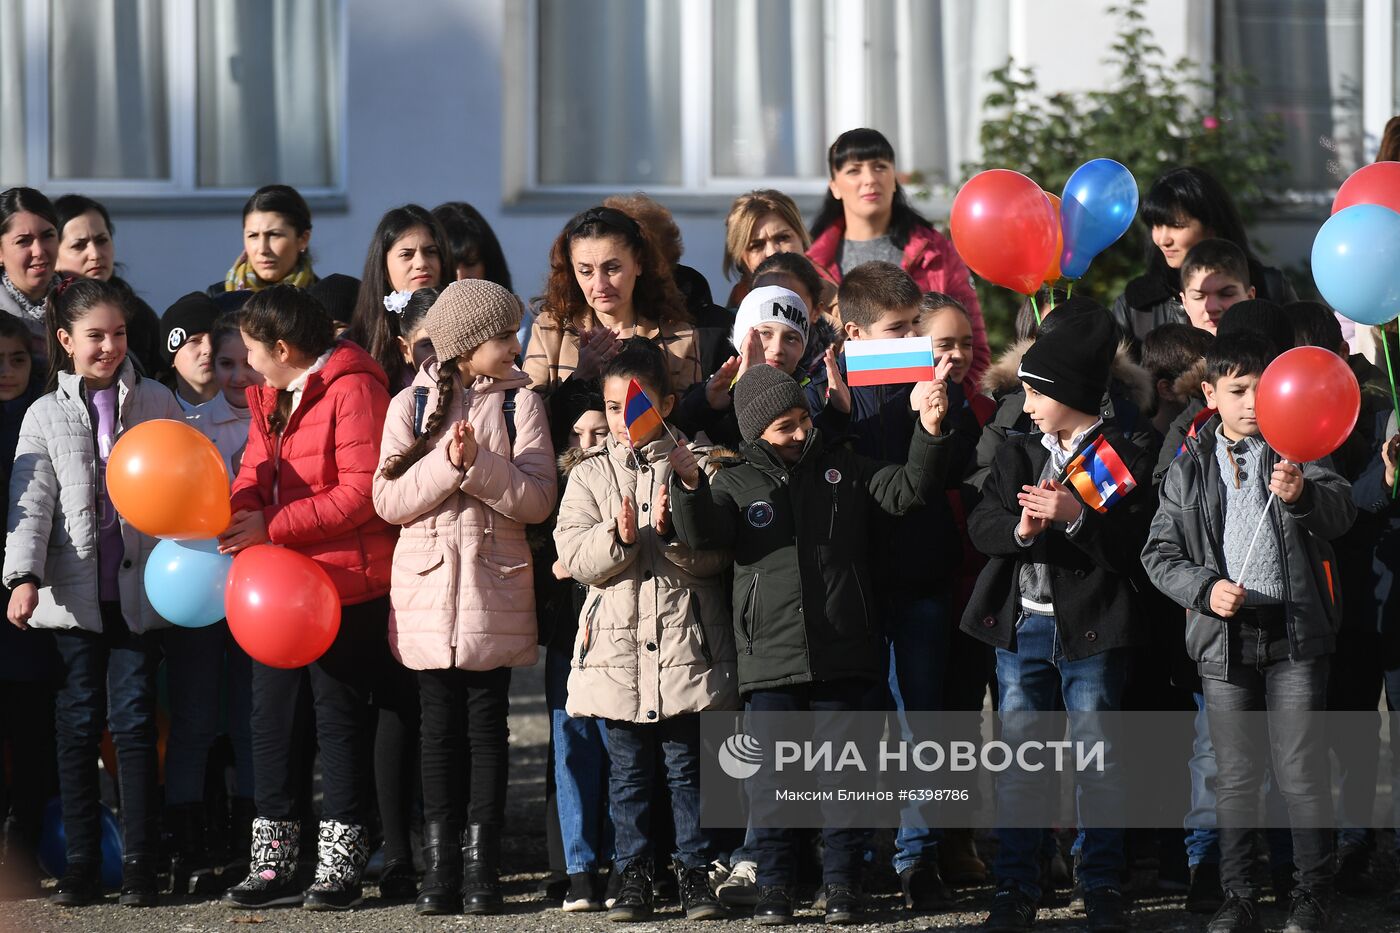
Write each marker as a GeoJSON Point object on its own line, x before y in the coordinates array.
{"type": "Point", "coordinates": [342, 851]}
{"type": "Point", "coordinates": [272, 867]}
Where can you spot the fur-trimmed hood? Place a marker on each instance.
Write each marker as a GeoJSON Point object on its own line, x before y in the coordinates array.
{"type": "Point", "coordinates": [1127, 376]}
{"type": "Point", "coordinates": [1188, 385]}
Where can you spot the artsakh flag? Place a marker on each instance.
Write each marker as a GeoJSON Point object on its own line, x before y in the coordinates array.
{"type": "Point", "coordinates": [886, 362]}
{"type": "Point", "coordinates": [640, 414]}
{"type": "Point", "coordinates": [1099, 476]}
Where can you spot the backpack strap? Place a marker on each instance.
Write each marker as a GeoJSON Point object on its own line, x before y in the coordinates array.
{"type": "Point", "coordinates": [508, 409]}
{"type": "Point", "coordinates": [420, 407]}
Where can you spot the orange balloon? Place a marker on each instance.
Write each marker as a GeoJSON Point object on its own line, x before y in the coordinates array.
{"type": "Point", "coordinates": [169, 481]}
{"type": "Point", "coordinates": [1054, 275]}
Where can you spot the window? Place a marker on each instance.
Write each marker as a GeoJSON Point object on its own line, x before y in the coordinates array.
{"type": "Point", "coordinates": [720, 96]}
{"type": "Point", "coordinates": [171, 98]}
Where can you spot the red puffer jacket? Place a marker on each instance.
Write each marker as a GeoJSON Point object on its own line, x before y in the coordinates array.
{"type": "Point", "coordinates": [312, 482]}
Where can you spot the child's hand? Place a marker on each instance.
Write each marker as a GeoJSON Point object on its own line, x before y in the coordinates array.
{"type": "Point", "coordinates": [838, 394]}
{"type": "Point", "coordinates": [461, 450]}
{"type": "Point", "coordinates": [23, 601]}
{"type": "Point", "coordinates": [1029, 527]}
{"type": "Point", "coordinates": [596, 348]}
{"type": "Point", "coordinates": [662, 508]}
{"type": "Point", "coordinates": [1390, 455]}
{"type": "Point", "coordinates": [751, 353]}
{"type": "Point", "coordinates": [627, 522]}
{"type": "Point", "coordinates": [1287, 482]}
{"type": "Point", "coordinates": [930, 399]}
{"type": "Point", "coordinates": [717, 389]}
{"type": "Point", "coordinates": [1051, 501]}
{"type": "Point", "coordinates": [1226, 598]}
{"type": "Point", "coordinates": [560, 571]}
{"type": "Point", "coordinates": [684, 464]}
{"type": "Point", "coordinates": [247, 529]}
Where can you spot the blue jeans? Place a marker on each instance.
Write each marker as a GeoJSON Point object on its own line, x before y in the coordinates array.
{"type": "Point", "coordinates": [1032, 678]}
{"type": "Point", "coordinates": [632, 752]}
{"type": "Point", "coordinates": [916, 631]}
{"type": "Point", "coordinates": [195, 672]}
{"type": "Point", "coordinates": [115, 673]}
{"type": "Point", "coordinates": [580, 772]}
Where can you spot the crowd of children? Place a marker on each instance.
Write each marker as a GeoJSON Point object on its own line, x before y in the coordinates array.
{"type": "Point", "coordinates": [772, 539]}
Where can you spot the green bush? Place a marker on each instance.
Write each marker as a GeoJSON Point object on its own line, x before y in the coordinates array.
{"type": "Point", "coordinates": [1149, 119]}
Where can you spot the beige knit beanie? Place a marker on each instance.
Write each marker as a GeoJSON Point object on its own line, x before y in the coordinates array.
{"type": "Point", "coordinates": [468, 313]}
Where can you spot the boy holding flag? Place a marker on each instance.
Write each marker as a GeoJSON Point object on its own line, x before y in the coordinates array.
{"type": "Point", "coordinates": [1064, 513]}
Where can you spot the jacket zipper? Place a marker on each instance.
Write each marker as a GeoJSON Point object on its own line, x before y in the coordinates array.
{"type": "Point", "coordinates": [864, 606]}
{"type": "Point", "coordinates": [835, 507]}
{"type": "Point", "coordinates": [588, 630]}
{"type": "Point", "coordinates": [700, 624]}
{"type": "Point", "coordinates": [750, 609]}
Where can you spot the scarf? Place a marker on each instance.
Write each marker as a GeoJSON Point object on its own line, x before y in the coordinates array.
{"type": "Point", "coordinates": [242, 277]}
{"type": "Point", "coordinates": [30, 309]}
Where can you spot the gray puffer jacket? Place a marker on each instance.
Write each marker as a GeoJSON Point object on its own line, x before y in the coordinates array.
{"type": "Point", "coordinates": [1184, 555]}
{"type": "Point", "coordinates": [54, 507]}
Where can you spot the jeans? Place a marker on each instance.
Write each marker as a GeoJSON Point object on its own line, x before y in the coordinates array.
{"type": "Point", "coordinates": [466, 745]}
{"type": "Point", "coordinates": [1032, 678]}
{"type": "Point", "coordinates": [340, 681]}
{"type": "Point", "coordinates": [1299, 754]}
{"type": "Point", "coordinates": [632, 752]}
{"type": "Point", "coordinates": [917, 634]}
{"type": "Point", "coordinates": [580, 772]}
{"type": "Point", "coordinates": [195, 672]}
{"type": "Point", "coordinates": [775, 850]}
{"type": "Point", "coordinates": [116, 672]}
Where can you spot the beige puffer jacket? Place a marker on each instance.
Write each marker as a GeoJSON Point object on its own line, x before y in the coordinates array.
{"type": "Point", "coordinates": [462, 593]}
{"type": "Point", "coordinates": [655, 638]}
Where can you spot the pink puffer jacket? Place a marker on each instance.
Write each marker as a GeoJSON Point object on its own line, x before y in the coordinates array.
{"type": "Point", "coordinates": [462, 593]}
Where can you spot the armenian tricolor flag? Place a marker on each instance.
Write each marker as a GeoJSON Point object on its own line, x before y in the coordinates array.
{"type": "Point", "coordinates": [640, 414]}
{"type": "Point", "coordinates": [1099, 476]}
{"type": "Point", "coordinates": [885, 362]}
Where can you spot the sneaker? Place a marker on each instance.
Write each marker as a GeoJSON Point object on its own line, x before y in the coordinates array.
{"type": "Point", "coordinates": [923, 887]}
{"type": "Point", "coordinates": [1013, 910]}
{"type": "Point", "coordinates": [79, 886]}
{"type": "Point", "coordinates": [1205, 896]}
{"type": "Point", "coordinates": [698, 900]}
{"type": "Point", "coordinates": [583, 893]}
{"type": "Point", "coordinates": [844, 904]}
{"type": "Point", "coordinates": [1307, 913]}
{"type": "Point", "coordinates": [1105, 911]}
{"type": "Point", "coordinates": [139, 888]}
{"type": "Point", "coordinates": [740, 889]}
{"type": "Point", "coordinates": [634, 900]}
{"type": "Point", "coordinates": [554, 885]}
{"type": "Point", "coordinates": [614, 885]}
{"type": "Point", "coordinates": [1236, 915]}
{"type": "Point", "coordinates": [774, 905]}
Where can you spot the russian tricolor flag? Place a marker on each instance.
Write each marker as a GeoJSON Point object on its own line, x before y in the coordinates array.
{"type": "Point", "coordinates": [886, 362]}
{"type": "Point", "coordinates": [1099, 475]}
{"type": "Point", "coordinates": [640, 414]}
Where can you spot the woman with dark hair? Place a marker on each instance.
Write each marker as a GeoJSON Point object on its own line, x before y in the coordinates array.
{"type": "Point", "coordinates": [86, 248]}
{"type": "Point", "coordinates": [867, 217]}
{"type": "Point", "coordinates": [608, 280]}
{"type": "Point", "coordinates": [28, 256]}
{"type": "Point", "coordinates": [1182, 208]}
{"type": "Point", "coordinates": [409, 251]}
{"type": "Point", "coordinates": [474, 250]}
{"type": "Point", "coordinates": [276, 234]}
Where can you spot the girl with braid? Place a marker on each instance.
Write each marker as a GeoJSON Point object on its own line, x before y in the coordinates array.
{"type": "Point", "coordinates": [465, 464]}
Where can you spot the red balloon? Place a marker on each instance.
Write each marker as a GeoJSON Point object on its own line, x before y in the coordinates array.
{"type": "Point", "coordinates": [1307, 403]}
{"type": "Point", "coordinates": [1005, 229]}
{"type": "Point", "coordinates": [282, 607]}
{"type": "Point", "coordinates": [1377, 183]}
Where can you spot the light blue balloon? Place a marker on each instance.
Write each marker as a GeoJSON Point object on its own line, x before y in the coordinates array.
{"type": "Point", "coordinates": [1356, 263]}
{"type": "Point", "coordinates": [185, 582]}
{"type": "Point", "coordinates": [1099, 203]}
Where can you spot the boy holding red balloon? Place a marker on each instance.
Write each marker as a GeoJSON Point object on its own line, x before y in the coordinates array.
{"type": "Point", "coordinates": [1262, 608]}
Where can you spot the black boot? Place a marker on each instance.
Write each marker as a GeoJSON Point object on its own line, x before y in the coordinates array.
{"type": "Point", "coordinates": [481, 869]}
{"type": "Point", "coordinates": [138, 882]}
{"type": "Point", "coordinates": [80, 885]}
{"type": "Point", "coordinates": [191, 870]}
{"type": "Point", "coordinates": [442, 871]}
{"type": "Point", "coordinates": [241, 813]}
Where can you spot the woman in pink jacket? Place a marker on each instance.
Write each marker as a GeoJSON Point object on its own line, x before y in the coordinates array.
{"type": "Point", "coordinates": [866, 217]}
{"type": "Point", "coordinates": [466, 463]}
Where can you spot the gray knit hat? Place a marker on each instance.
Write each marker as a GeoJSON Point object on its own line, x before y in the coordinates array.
{"type": "Point", "coordinates": [761, 396]}
{"type": "Point", "coordinates": [468, 313]}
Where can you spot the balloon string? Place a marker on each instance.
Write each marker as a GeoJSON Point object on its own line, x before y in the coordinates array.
{"type": "Point", "coordinates": [1069, 289]}
{"type": "Point", "coordinates": [1051, 290]}
{"type": "Point", "coordinates": [1035, 308]}
{"type": "Point", "coordinates": [1394, 400]}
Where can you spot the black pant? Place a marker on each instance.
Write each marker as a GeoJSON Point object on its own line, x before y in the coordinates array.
{"type": "Point", "coordinates": [111, 677]}
{"type": "Point", "coordinates": [396, 756]}
{"type": "Point", "coordinates": [464, 731]}
{"type": "Point", "coordinates": [26, 732]}
{"type": "Point", "coordinates": [341, 682]}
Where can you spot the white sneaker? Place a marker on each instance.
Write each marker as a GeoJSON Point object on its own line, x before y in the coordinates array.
{"type": "Point", "coordinates": [583, 893]}
{"type": "Point", "coordinates": [740, 889]}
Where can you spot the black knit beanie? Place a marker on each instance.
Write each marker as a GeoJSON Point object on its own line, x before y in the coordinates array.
{"type": "Point", "coordinates": [336, 294]}
{"type": "Point", "coordinates": [1258, 316]}
{"type": "Point", "coordinates": [194, 314]}
{"type": "Point", "coordinates": [761, 396]}
{"type": "Point", "coordinates": [1071, 362]}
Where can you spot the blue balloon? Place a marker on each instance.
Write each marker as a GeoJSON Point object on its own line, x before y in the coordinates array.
{"type": "Point", "coordinates": [185, 581]}
{"type": "Point", "coordinates": [1098, 205]}
{"type": "Point", "coordinates": [53, 845]}
{"type": "Point", "coordinates": [1356, 263]}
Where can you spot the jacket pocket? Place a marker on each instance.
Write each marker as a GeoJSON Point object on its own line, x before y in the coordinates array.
{"type": "Point", "coordinates": [748, 619]}
{"type": "Point", "coordinates": [586, 641]}
{"type": "Point", "coordinates": [697, 619]}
